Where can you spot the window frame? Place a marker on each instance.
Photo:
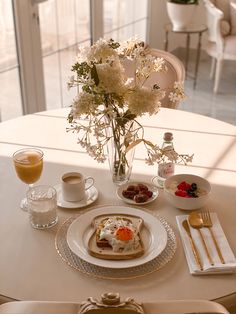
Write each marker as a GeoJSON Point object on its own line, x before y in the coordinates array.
{"type": "Point", "coordinates": [28, 43]}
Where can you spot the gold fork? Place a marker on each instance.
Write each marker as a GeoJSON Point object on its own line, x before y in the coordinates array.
{"type": "Point", "coordinates": [207, 223]}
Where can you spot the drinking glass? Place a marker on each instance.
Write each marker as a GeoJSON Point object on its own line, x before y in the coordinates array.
{"type": "Point", "coordinates": [28, 164]}
{"type": "Point", "coordinates": [42, 206]}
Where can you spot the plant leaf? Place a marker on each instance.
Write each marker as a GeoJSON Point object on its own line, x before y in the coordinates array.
{"type": "Point", "coordinates": [132, 145]}
{"type": "Point", "coordinates": [148, 143]}
{"type": "Point", "coordinates": [94, 75]}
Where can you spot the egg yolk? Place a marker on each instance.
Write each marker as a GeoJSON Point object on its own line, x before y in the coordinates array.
{"type": "Point", "coordinates": [124, 234]}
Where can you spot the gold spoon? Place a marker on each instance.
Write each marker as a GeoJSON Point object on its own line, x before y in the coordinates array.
{"type": "Point", "coordinates": [195, 221]}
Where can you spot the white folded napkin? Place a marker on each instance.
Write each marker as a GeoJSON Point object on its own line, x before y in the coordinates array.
{"type": "Point", "coordinates": [218, 268]}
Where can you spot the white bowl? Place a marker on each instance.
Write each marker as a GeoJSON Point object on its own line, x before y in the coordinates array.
{"type": "Point", "coordinates": [183, 202]}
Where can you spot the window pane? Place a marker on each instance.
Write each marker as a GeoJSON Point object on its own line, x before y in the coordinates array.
{"type": "Point", "coordinates": [57, 70]}
{"type": "Point", "coordinates": [126, 32]}
{"type": "Point", "coordinates": [63, 24]}
{"type": "Point", "coordinates": [124, 19]}
{"type": "Point", "coordinates": [10, 99]}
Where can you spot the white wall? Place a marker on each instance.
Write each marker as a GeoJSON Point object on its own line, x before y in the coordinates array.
{"type": "Point", "coordinates": [159, 17]}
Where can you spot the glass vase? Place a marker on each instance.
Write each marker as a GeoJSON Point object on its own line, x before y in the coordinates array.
{"type": "Point", "coordinates": [120, 158]}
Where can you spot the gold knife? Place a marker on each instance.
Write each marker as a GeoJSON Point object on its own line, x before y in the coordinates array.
{"type": "Point", "coordinates": [193, 245]}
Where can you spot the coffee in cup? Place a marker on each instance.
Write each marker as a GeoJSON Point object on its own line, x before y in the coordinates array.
{"type": "Point", "coordinates": [74, 186]}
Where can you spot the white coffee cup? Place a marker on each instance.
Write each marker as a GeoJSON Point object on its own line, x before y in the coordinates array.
{"type": "Point", "coordinates": [74, 186]}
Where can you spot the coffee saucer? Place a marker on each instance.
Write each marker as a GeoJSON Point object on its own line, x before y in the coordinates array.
{"type": "Point", "coordinates": [90, 196]}
{"type": "Point", "coordinates": [156, 183]}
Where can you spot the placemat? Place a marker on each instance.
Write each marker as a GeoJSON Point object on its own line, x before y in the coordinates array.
{"type": "Point", "coordinates": [74, 261]}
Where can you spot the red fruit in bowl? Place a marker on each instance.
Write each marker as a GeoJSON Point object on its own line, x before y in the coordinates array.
{"type": "Point", "coordinates": [183, 186]}
{"type": "Point", "coordinates": [181, 193]}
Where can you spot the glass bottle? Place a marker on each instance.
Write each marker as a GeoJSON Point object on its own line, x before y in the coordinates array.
{"type": "Point", "coordinates": [166, 168]}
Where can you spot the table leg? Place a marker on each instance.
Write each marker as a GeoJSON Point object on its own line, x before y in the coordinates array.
{"type": "Point", "coordinates": [187, 53]}
{"type": "Point", "coordinates": [166, 41]}
{"type": "Point", "coordinates": [197, 60]}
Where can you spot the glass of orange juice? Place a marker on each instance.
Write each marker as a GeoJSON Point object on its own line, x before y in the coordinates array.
{"type": "Point", "coordinates": [28, 165]}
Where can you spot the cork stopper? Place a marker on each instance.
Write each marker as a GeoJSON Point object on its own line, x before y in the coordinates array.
{"type": "Point", "coordinates": [168, 137]}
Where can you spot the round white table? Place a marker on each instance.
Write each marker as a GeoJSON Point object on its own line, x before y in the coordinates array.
{"type": "Point", "coordinates": [30, 267]}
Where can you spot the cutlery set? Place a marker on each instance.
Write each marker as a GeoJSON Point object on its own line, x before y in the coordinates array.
{"type": "Point", "coordinates": [199, 221]}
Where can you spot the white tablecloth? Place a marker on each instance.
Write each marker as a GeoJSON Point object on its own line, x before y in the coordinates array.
{"type": "Point", "coordinates": [31, 269]}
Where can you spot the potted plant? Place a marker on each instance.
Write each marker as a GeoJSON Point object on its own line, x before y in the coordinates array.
{"type": "Point", "coordinates": [181, 12]}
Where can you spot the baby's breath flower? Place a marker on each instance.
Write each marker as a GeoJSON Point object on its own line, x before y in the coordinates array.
{"type": "Point", "coordinates": [83, 104]}
{"type": "Point", "coordinates": [82, 54]}
{"type": "Point", "coordinates": [142, 100]}
{"type": "Point", "coordinates": [111, 78]}
{"type": "Point", "coordinates": [178, 93]}
{"type": "Point", "coordinates": [108, 98]}
{"type": "Point", "coordinates": [101, 51]}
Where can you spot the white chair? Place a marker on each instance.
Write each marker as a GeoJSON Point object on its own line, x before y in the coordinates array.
{"type": "Point", "coordinates": [175, 73]}
{"type": "Point", "coordinates": [221, 35]}
{"type": "Point", "coordinates": [119, 307]}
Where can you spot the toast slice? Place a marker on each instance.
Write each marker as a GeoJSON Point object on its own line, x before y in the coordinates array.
{"type": "Point", "coordinates": [116, 249]}
{"type": "Point", "coordinates": [104, 242]}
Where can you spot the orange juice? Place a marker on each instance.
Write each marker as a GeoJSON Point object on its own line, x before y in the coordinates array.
{"type": "Point", "coordinates": [29, 166]}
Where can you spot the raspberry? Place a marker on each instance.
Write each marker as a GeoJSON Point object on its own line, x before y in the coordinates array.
{"type": "Point", "coordinates": [184, 186]}
{"type": "Point", "coordinates": [181, 193]}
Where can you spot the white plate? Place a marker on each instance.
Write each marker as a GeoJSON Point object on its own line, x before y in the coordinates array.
{"type": "Point", "coordinates": [153, 235]}
{"type": "Point", "coordinates": [129, 201]}
{"type": "Point", "coordinates": [90, 196]}
{"type": "Point", "coordinates": [155, 182]}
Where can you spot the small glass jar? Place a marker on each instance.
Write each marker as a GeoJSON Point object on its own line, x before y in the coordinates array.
{"type": "Point", "coordinates": [166, 168]}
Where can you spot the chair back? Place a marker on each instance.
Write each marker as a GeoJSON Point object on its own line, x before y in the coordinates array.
{"type": "Point", "coordinates": [213, 17]}
{"type": "Point", "coordinates": [175, 73]}
{"type": "Point", "coordinates": [129, 306]}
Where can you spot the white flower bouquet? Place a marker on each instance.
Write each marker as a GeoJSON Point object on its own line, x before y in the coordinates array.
{"type": "Point", "coordinates": [108, 102]}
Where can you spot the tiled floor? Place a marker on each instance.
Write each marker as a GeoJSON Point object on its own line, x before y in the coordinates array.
{"type": "Point", "coordinates": [202, 100]}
